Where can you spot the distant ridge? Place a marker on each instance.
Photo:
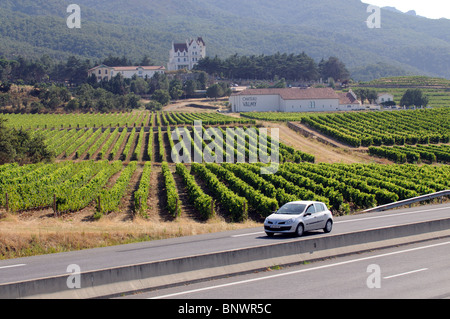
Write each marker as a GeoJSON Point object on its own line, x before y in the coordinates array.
{"type": "Point", "coordinates": [405, 44]}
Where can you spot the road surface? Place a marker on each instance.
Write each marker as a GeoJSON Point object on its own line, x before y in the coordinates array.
{"type": "Point", "coordinates": [22, 269]}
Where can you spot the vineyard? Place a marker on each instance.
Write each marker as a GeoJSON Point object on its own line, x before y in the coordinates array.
{"type": "Point", "coordinates": [235, 191]}
{"type": "Point", "coordinates": [436, 89]}
{"type": "Point", "coordinates": [414, 154]}
{"type": "Point", "coordinates": [137, 143]}
{"type": "Point", "coordinates": [126, 164]}
{"type": "Point", "coordinates": [409, 127]}
{"type": "Point", "coordinates": [133, 119]}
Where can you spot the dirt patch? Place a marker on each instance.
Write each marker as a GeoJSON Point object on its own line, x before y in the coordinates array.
{"type": "Point", "coordinates": [324, 153]}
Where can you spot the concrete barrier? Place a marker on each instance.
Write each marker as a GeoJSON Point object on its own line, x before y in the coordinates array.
{"type": "Point", "coordinates": [121, 280]}
{"type": "Point", "coordinates": [409, 201]}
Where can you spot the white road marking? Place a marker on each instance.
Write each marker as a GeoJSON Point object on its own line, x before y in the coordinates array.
{"type": "Point", "coordinates": [12, 266]}
{"type": "Point", "coordinates": [250, 234]}
{"type": "Point", "coordinates": [299, 271]}
{"type": "Point", "coordinates": [406, 273]}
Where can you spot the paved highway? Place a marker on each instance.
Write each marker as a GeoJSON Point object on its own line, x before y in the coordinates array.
{"type": "Point", "coordinates": [95, 259]}
{"type": "Point", "coordinates": [416, 271]}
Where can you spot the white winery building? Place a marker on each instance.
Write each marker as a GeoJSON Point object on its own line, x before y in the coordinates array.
{"type": "Point", "coordinates": [385, 97]}
{"type": "Point", "coordinates": [187, 54]}
{"type": "Point", "coordinates": [293, 100]}
{"type": "Point", "coordinates": [103, 72]}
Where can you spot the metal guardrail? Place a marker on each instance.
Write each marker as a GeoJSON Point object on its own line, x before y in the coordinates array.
{"type": "Point", "coordinates": [408, 201]}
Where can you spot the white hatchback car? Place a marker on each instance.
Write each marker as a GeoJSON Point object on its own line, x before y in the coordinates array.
{"type": "Point", "coordinates": [298, 217]}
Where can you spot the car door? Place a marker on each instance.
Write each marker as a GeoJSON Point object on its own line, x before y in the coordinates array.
{"type": "Point", "coordinates": [309, 217]}
{"type": "Point", "coordinates": [321, 217]}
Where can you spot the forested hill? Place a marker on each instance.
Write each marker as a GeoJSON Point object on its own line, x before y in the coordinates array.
{"type": "Point", "coordinates": [322, 28]}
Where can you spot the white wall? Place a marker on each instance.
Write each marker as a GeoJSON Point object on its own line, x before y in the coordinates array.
{"type": "Point", "coordinates": [130, 74]}
{"type": "Point", "coordinates": [385, 98]}
{"type": "Point", "coordinates": [319, 105]}
{"type": "Point", "coordinates": [255, 103]}
{"type": "Point", "coordinates": [274, 103]}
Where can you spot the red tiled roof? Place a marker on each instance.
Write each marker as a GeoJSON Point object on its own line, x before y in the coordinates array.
{"type": "Point", "coordinates": [98, 66]}
{"type": "Point", "coordinates": [295, 93]}
{"type": "Point", "coordinates": [347, 98]}
{"type": "Point", "coordinates": [134, 68]}
{"type": "Point", "coordinates": [128, 68]}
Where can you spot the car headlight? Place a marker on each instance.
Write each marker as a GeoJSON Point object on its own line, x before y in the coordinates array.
{"type": "Point", "coordinates": [290, 221]}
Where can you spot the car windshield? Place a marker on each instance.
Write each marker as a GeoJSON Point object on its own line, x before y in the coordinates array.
{"type": "Point", "coordinates": [292, 209]}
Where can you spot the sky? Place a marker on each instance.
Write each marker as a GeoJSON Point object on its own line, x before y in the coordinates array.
{"type": "Point", "coordinates": [433, 9]}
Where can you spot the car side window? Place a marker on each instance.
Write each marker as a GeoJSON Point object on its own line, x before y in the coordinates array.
{"type": "Point", "coordinates": [311, 209]}
{"type": "Point", "coordinates": [319, 207]}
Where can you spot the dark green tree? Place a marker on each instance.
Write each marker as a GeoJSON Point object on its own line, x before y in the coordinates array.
{"type": "Point", "coordinates": [334, 68]}
{"type": "Point", "coordinates": [175, 89]}
{"type": "Point", "coordinates": [414, 97]}
{"type": "Point", "coordinates": [215, 91]}
{"type": "Point", "coordinates": [19, 146]}
{"type": "Point", "coordinates": [161, 96]}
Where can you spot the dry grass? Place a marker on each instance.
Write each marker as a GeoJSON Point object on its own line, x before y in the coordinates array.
{"type": "Point", "coordinates": [36, 233]}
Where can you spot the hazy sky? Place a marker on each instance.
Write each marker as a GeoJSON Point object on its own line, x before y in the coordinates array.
{"type": "Point", "coordinates": [433, 9]}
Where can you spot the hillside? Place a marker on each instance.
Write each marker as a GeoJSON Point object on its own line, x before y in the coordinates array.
{"type": "Point", "coordinates": [436, 89]}
{"type": "Point", "coordinates": [404, 45]}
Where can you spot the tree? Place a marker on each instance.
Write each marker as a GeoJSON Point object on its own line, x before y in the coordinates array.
{"type": "Point", "coordinates": [281, 84]}
{"type": "Point", "coordinates": [139, 86]}
{"type": "Point", "coordinates": [19, 146]}
{"type": "Point", "coordinates": [361, 94]}
{"type": "Point", "coordinates": [146, 61]}
{"type": "Point", "coordinates": [189, 87]}
{"type": "Point", "coordinates": [366, 94]}
{"type": "Point", "coordinates": [414, 97]}
{"type": "Point", "coordinates": [158, 82]}
{"type": "Point", "coordinates": [72, 106]}
{"type": "Point", "coordinates": [153, 106]}
{"type": "Point", "coordinates": [334, 68]}
{"type": "Point", "coordinates": [372, 95]}
{"type": "Point", "coordinates": [202, 80]}
{"type": "Point", "coordinates": [133, 100]}
{"type": "Point", "coordinates": [215, 91]}
{"type": "Point", "coordinates": [175, 89]}
{"type": "Point", "coordinates": [161, 96]}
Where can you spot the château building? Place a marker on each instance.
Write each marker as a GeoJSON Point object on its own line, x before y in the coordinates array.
{"type": "Point", "coordinates": [186, 55]}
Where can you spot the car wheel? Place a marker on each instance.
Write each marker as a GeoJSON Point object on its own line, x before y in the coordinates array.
{"type": "Point", "coordinates": [328, 226]}
{"type": "Point", "coordinates": [300, 230]}
{"type": "Point", "coordinates": [270, 234]}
